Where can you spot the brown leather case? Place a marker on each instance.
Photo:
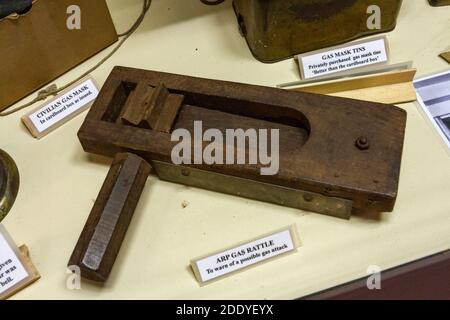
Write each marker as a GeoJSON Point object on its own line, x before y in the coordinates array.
{"type": "Point", "coordinates": [38, 47]}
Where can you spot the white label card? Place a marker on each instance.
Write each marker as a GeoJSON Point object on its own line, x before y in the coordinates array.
{"type": "Point", "coordinates": [12, 271]}
{"type": "Point", "coordinates": [343, 58]}
{"type": "Point", "coordinates": [433, 95]}
{"type": "Point", "coordinates": [245, 255]}
{"type": "Point", "coordinates": [62, 108]}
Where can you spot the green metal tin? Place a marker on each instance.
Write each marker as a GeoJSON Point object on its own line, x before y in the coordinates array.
{"type": "Point", "coordinates": [279, 29]}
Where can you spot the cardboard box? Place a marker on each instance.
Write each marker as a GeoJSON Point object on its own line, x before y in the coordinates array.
{"type": "Point", "coordinates": [39, 47]}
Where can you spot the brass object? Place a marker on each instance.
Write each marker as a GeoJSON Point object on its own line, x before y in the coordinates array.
{"type": "Point", "coordinates": [39, 47]}
{"type": "Point", "coordinates": [289, 197]}
{"type": "Point", "coordinates": [279, 29]}
{"type": "Point", "coordinates": [9, 183]}
{"type": "Point", "coordinates": [446, 56]}
{"type": "Point", "coordinates": [438, 3]}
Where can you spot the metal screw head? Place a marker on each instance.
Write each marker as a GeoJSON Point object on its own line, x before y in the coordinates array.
{"type": "Point", "coordinates": [185, 172]}
{"type": "Point", "coordinates": [362, 143]}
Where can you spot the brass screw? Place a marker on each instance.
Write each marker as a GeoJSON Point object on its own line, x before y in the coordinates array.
{"type": "Point", "coordinates": [185, 172]}
{"type": "Point", "coordinates": [308, 197]}
{"type": "Point", "coordinates": [362, 143]}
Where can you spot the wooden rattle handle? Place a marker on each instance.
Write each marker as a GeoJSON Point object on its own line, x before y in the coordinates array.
{"type": "Point", "coordinates": [105, 229]}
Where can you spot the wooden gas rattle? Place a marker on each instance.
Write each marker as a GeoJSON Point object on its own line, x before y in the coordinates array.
{"type": "Point", "coordinates": [336, 155]}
